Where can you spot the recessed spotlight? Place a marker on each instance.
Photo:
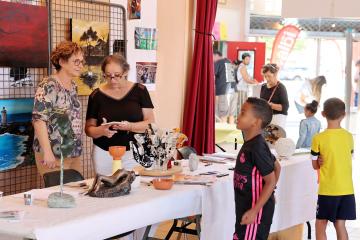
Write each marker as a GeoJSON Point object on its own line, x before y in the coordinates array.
{"type": "Point", "coordinates": [333, 25]}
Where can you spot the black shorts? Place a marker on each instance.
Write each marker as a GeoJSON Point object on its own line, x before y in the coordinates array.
{"type": "Point", "coordinates": [252, 232]}
{"type": "Point", "coordinates": [334, 208]}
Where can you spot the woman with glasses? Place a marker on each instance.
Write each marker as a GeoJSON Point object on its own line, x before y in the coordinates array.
{"type": "Point", "coordinates": [125, 106]}
{"type": "Point", "coordinates": [56, 99]}
{"type": "Point", "coordinates": [274, 92]}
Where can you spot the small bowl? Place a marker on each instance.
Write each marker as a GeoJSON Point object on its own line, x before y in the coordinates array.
{"type": "Point", "coordinates": [163, 183]}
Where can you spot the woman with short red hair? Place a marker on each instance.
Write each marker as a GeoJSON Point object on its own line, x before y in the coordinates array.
{"type": "Point", "coordinates": [56, 99]}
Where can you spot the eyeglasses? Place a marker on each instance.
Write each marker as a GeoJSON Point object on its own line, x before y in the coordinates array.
{"type": "Point", "coordinates": [77, 62]}
{"type": "Point", "coordinates": [109, 76]}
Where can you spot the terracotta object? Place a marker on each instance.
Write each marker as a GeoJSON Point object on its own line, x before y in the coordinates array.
{"type": "Point", "coordinates": [117, 152]}
{"type": "Point", "coordinates": [163, 183]}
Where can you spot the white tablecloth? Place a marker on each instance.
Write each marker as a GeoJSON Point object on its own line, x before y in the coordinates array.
{"type": "Point", "coordinates": [96, 218]}
{"type": "Point", "coordinates": [296, 193]}
{"type": "Point", "coordinates": [296, 197]}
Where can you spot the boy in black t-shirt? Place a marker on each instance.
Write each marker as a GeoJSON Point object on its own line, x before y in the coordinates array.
{"type": "Point", "coordinates": [256, 174]}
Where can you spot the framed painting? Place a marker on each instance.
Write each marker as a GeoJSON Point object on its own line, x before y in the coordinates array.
{"type": "Point", "coordinates": [16, 133]}
{"type": "Point", "coordinates": [23, 35]}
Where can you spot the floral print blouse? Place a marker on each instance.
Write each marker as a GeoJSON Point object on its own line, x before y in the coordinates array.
{"type": "Point", "coordinates": [61, 110]}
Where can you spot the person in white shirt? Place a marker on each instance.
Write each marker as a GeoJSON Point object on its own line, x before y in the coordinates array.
{"type": "Point", "coordinates": [244, 79]}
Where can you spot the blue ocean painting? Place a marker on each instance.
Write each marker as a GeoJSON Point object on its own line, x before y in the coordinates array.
{"type": "Point", "coordinates": [11, 149]}
{"type": "Point", "coordinates": [18, 110]}
{"type": "Point", "coordinates": [16, 133]}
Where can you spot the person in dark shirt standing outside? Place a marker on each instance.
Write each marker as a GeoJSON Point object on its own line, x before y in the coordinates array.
{"type": "Point", "coordinates": [222, 86]}
{"type": "Point", "coordinates": [256, 174]}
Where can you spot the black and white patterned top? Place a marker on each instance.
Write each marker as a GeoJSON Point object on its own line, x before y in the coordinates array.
{"type": "Point", "coordinates": [50, 99]}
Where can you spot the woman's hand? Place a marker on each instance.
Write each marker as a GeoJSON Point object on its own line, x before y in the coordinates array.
{"type": "Point", "coordinates": [123, 126]}
{"type": "Point", "coordinates": [49, 160]}
{"type": "Point", "coordinates": [106, 131]}
{"type": "Point", "coordinates": [271, 105]}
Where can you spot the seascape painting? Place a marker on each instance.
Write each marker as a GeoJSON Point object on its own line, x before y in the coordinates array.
{"type": "Point", "coordinates": [16, 133]}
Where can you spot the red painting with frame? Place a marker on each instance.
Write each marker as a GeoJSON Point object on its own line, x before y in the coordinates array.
{"type": "Point", "coordinates": [23, 35]}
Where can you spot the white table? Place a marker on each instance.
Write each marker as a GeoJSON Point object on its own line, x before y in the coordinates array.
{"type": "Point", "coordinates": [99, 218]}
{"type": "Point", "coordinates": [296, 193]}
{"type": "Point", "coordinates": [296, 197]}
{"type": "Point", "coordinates": [96, 218]}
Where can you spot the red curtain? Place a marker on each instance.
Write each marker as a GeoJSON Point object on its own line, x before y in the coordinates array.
{"type": "Point", "coordinates": [199, 115]}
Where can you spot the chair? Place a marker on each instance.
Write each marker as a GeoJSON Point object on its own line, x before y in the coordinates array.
{"type": "Point", "coordinates": [53, 178]}
{"type": "Point", "coordinates": [70, 175]}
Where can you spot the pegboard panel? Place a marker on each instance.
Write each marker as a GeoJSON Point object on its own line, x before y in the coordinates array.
{"type": "Point", "coordinates": [60, 12]}
{"type": "Point", "coordinates": [20, 82]}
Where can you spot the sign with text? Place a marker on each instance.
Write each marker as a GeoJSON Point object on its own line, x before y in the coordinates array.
{"type": "Point", "coordinates": [283, 44]}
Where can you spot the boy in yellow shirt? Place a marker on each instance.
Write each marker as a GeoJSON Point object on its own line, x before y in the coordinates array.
{"type": "Point", "coordinates": [331, 152]}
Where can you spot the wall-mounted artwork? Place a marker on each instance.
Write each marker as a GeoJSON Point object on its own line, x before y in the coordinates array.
{"type": "Point", "coordinates": [23, 35]}
{"type": "Point", "coordinates": [16, 133]}
{"type": "Point", "coordinates": [146, 74]}
{"type": "Point", "coordinates": [89, 80]}
{"type": "Point", "coordinates": [145, 38]}
{"type": "Point", "coordinates": [119, 46]}
{"type": "Point", "coordinates": [134, 9]}
{"type": "Point", "coordinates": [20, 77]}
{"type": "Point", "coordinates": [93, 37]}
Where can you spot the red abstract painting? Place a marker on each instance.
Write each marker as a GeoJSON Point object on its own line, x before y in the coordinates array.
{"type": "Point", "coordinates": [23, 35]}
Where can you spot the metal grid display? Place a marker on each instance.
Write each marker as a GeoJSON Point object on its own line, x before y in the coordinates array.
{"type": "Point", "coordinates": [20, 82]}
{"type": "Point", "coordinates": [60, 12]}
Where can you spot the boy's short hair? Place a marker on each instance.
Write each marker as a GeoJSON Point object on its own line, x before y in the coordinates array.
{"type": "Point", "coordinates": [261, 109]}
{"type": "Point", "coordinates": [334, 108]}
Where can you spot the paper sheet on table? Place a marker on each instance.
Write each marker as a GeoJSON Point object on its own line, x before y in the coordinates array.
{"type": "Point", "coordinates": [225, 155]}
{"type": "Point", "coordinates": [211, 158]}
{"type": "Point", "coordinates": [43, 194]}
{"type": "Point", "coordinates": [12, 215]}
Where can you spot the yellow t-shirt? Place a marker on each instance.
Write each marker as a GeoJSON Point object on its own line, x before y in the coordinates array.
{"type": "Point", "coordinates": [335, 146]}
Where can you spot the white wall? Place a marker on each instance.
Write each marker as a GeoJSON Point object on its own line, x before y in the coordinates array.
{"type": "Point", "coordinates": [234, 14]}
{"type": "Point", "coordinates": [174, 24]}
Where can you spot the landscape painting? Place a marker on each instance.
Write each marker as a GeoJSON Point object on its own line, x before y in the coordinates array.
{"type": "Point", "coordinates": [16, 133]}
{"type": "Point", "coordinates": [93, 37]}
